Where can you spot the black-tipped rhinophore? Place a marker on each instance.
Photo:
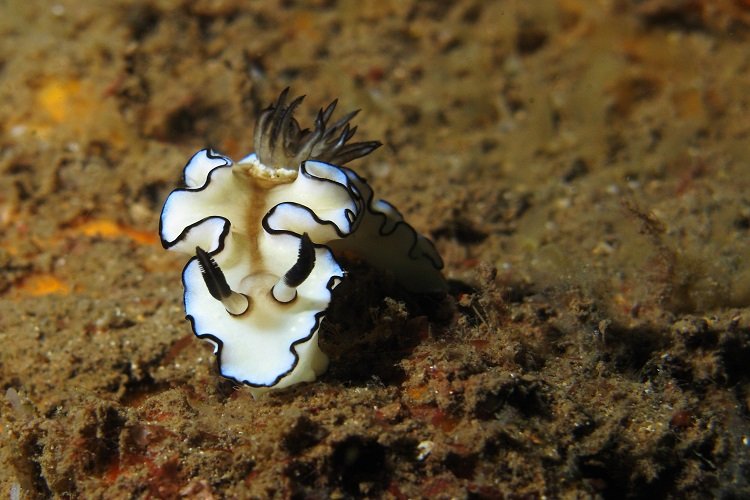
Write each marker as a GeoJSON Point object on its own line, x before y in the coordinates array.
{"type": "Point", "coordinates": [304, 265]}
{"type": "Point", "coordinates": [281, 142]}
{"type": "Point", "coordinates": [213, 276]}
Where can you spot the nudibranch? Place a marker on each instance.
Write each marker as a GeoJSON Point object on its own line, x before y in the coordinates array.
{"type": "Point", "coordinates": [264, 234]}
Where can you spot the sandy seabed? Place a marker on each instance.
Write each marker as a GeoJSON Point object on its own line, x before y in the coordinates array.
{"type": "Point", "coordinates": [581, 165]}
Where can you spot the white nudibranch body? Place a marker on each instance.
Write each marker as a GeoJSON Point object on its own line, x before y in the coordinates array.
{"type": "Point", "coordinates": [263, 234]}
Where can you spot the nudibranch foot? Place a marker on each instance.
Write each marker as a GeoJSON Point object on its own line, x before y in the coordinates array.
{"type": "Point", "coordinates": [263, 234]}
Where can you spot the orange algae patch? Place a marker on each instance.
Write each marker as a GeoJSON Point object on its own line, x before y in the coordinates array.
{"type": "Point", "coordinates": [61, 99]}
{"type": "Point", "coordinates": [74, 106]}
{"type": "Point", "coordinates": [62, 103]}
{"type": "Point", "coordinates": [417, 393]}
{"type": "Point", "coordinates": [106, 228]}
{"type": "Point", "coordinates": [37, 285]}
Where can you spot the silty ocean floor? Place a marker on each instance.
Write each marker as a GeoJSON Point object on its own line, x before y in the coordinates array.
{"type": "Point", "coordinates": [582, 166]}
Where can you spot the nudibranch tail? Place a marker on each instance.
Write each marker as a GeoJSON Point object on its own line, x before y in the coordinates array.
{"type": "Point", "coordinates": [285, 290]}
{"type": "Point", "coordinates": [235, 303]}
